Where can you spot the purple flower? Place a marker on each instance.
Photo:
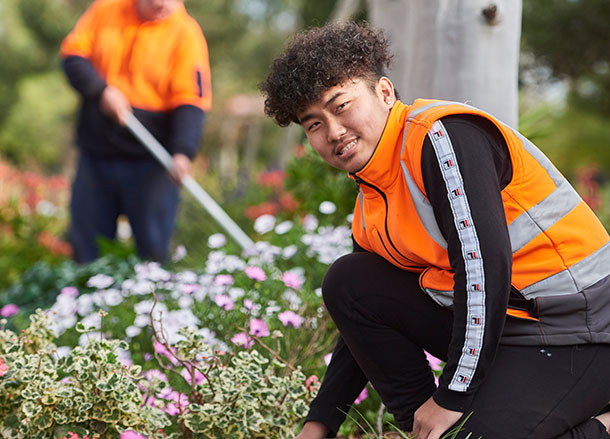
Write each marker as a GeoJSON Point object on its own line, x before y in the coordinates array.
{"type": "Point", "coordinates": [242, 339]}
{"type": "Point", "coordinates": [255, 273]}
{"type": "Point", "coordinates": [292, 280]}
{"type": "Point", "coordinates": [327, 358]}
{"type": "Point", "coordinates": [258, 328]}
{"type": "Point", "coordinates": [289, 318]}
{"type": "Point", "coordinates": [69, 291]}
{"type": "Point", "coordinates": [363, 395]}
{"type": "Point", "coordinates": [224, 301]}
{"type": "Point", "coordinates": [223, 279]}
{"type": "Point", "coordinates": [9, 310]}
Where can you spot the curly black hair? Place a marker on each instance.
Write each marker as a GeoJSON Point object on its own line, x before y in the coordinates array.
{"type": "Point", "coordinates": [318, 59]}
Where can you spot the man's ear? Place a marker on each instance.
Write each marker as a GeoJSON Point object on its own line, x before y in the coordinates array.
{"type": "Point", "coordinates": [386, 89]}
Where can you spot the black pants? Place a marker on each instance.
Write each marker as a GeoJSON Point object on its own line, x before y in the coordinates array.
{"type": "Point", "coordinates": [529, 392]}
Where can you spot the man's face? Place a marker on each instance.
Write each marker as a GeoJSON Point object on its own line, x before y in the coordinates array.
{"type": "Point", "coordinates": [151, 10]}
{"type": "Point", "coordinates": [345, 125]}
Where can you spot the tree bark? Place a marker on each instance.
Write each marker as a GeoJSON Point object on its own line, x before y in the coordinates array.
{"type": "Point", "coordinates": [460, 50]}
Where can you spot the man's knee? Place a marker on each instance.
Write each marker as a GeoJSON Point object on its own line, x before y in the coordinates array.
{"type": "Point", "coordinates": [338, 282]}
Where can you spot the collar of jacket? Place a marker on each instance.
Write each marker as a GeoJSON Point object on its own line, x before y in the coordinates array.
{"type": "Point", "coordinates": [381, 170]}
{"type": "Point", "coordinates": [133, 8]}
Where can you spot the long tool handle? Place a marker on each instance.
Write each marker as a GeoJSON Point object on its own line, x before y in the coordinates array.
{"type": "Point", "coordinates": [208, 203]}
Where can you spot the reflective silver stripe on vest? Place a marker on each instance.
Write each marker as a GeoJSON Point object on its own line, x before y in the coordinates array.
{"type": "Point", "coordinates": [548, 211]}
{"type": "Point", "coordinates": [579, 276]}
{"type": "Point", "coordinates": [361, 208]}
{"type": "Point", "coordinates": [473, 262]}
{"type": "Point", "coordinates": [422, 205]}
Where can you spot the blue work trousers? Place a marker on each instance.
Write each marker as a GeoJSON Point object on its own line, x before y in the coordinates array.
{"type": "Point", "coordinates": [106, 187]}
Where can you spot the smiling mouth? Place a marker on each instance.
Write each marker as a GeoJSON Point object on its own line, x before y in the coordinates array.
{"type": "Point", "coordinates": [347, 147]}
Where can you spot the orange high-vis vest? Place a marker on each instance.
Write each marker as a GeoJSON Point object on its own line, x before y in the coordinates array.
{"type": "Point", "coordinates": [560, 250]}
{"type": "Point", "coordinates": [158, 65]}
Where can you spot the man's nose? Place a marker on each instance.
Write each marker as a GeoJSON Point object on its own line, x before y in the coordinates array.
{"type": "Point", "coordinates": [336, 130]}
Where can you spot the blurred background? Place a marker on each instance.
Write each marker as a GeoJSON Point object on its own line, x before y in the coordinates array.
{"type": "Point", "coordinates": [543, 65]}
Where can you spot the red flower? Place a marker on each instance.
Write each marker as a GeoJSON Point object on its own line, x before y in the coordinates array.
{"type": "Point", "coordinates": [272, 179]}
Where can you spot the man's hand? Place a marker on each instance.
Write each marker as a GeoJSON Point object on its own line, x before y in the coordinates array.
{"type": "Point", "coordinates": [313, 430]}
{"type": "Point", "coordinates": [182, 167]}
{"type": "Point", "coordinates": [114, 104]}
{"type": "Point", "coordinates": [432, 420]}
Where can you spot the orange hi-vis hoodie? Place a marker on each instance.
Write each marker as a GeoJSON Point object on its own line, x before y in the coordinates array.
{"type": "Point", "coordinates": [161, 67]}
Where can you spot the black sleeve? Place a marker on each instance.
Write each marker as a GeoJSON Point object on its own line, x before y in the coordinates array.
{"type": "Point", "coordinates": [342, 383]}
{"type": "Point", "coordinates": [83, 76]}
{"type": "Point", "coordinates": [478, 244]}
{"type": "Point", "coordinates": [186, 128]}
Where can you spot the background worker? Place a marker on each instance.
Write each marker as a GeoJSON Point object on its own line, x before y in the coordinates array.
{"type": "Point", "coordinates": [148, 57]}
{"type": "Point", "coordinates": [468, 243]}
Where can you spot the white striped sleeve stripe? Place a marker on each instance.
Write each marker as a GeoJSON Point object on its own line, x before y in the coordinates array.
{"type": "Point", "coordinates": [473, 262]}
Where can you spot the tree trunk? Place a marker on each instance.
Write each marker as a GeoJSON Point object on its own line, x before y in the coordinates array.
{"type": "Point", "coordinates": [460, 50]}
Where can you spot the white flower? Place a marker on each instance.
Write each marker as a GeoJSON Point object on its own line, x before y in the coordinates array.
{"type": "Point", "coordinates": [100, 281]}
{"type": "Point", "coordinates": [283, 227]}
{"type": "Point", "coordinates": [217, 240]}
{"type": "Point", "coordinates": [310, 223]}
{"type": "Point", "coordinates": [350, 218]}
{"type": "Point", "coordinates": [264, 224]}
{"type": "Point", "coordinates": [187, 277]}
{"type": "Point", "coordinates": [179, 253]}
{"type": "Point", "coordinates": [327, 207]}
{"type": "Point", "coordinates": [185, 302]}
{"type": "Point", "coordinates": [289, 251]}
{"type": "Point", "coordinates": [123, 231]}
{"type": "Point", "coordinates": [63, 351]}
{"type": "Point", "coordinates": [132, 331]}
{"type": "Point", "coordinates": [84, 304]}
{"type": "Point", "coordinates": [235, 293]}
{"type": "Point", "coordinates": [112, 297]}
{"type": "Point", "coordinates": [46, 208]}
{"type": "Point", "coordinates": [292, 298]}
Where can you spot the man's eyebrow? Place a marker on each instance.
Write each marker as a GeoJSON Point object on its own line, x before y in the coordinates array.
{"type": "Point", "coordinates": [326, 104]}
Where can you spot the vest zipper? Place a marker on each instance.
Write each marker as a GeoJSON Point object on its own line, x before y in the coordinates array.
{"type": "Point", "coordinates": [387, 232]}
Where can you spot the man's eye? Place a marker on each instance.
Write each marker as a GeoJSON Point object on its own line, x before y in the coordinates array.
{"type": "Point", "coordinates": [342, 106]}
{"type": "Point", "coordinates": [313, 126]}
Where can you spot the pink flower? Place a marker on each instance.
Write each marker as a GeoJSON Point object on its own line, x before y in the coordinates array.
{"type": "Point", "coordinates": [69, 291]}
{"type": "Point", "coordinates": [162, 350]}
{"type": "Point", "coordinates": [311, 381]}
{"type": "Point", "coordinates": [434, 362]}
{"type": "Point", "coordinates": [223, 279]}
{"type": "Point", "coordinates": [224, 301]}
{"type": "Point", "coordinates": [248, 304]}
{"type": "Point", "coordinates": [327, 358]}
{"type": "Point", "coordinates": [130, 434]}
{"type": "Point", "coordinates": [154, 373]}
{"type": "Point", "coordinates": [3, 368]}
{"type": "Point", "coordinates": [256, 273]}
{"type": "Point", "coordinates": [9, 310]}
{"type": "Point", "coordinates": [242, 339]}
{"type": "Point", "coordinates": [363, 395]}
{"type": "Point", "coordinates": [258, 328]}
{"type": "Point", "coordinates": [199, 378]}
{"type": "Point", "coordinates": [292, 280]}
{"type": "Point", "coordinates": [189, 288]}
{"type": "Point", "coordinates": [289, 318]}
